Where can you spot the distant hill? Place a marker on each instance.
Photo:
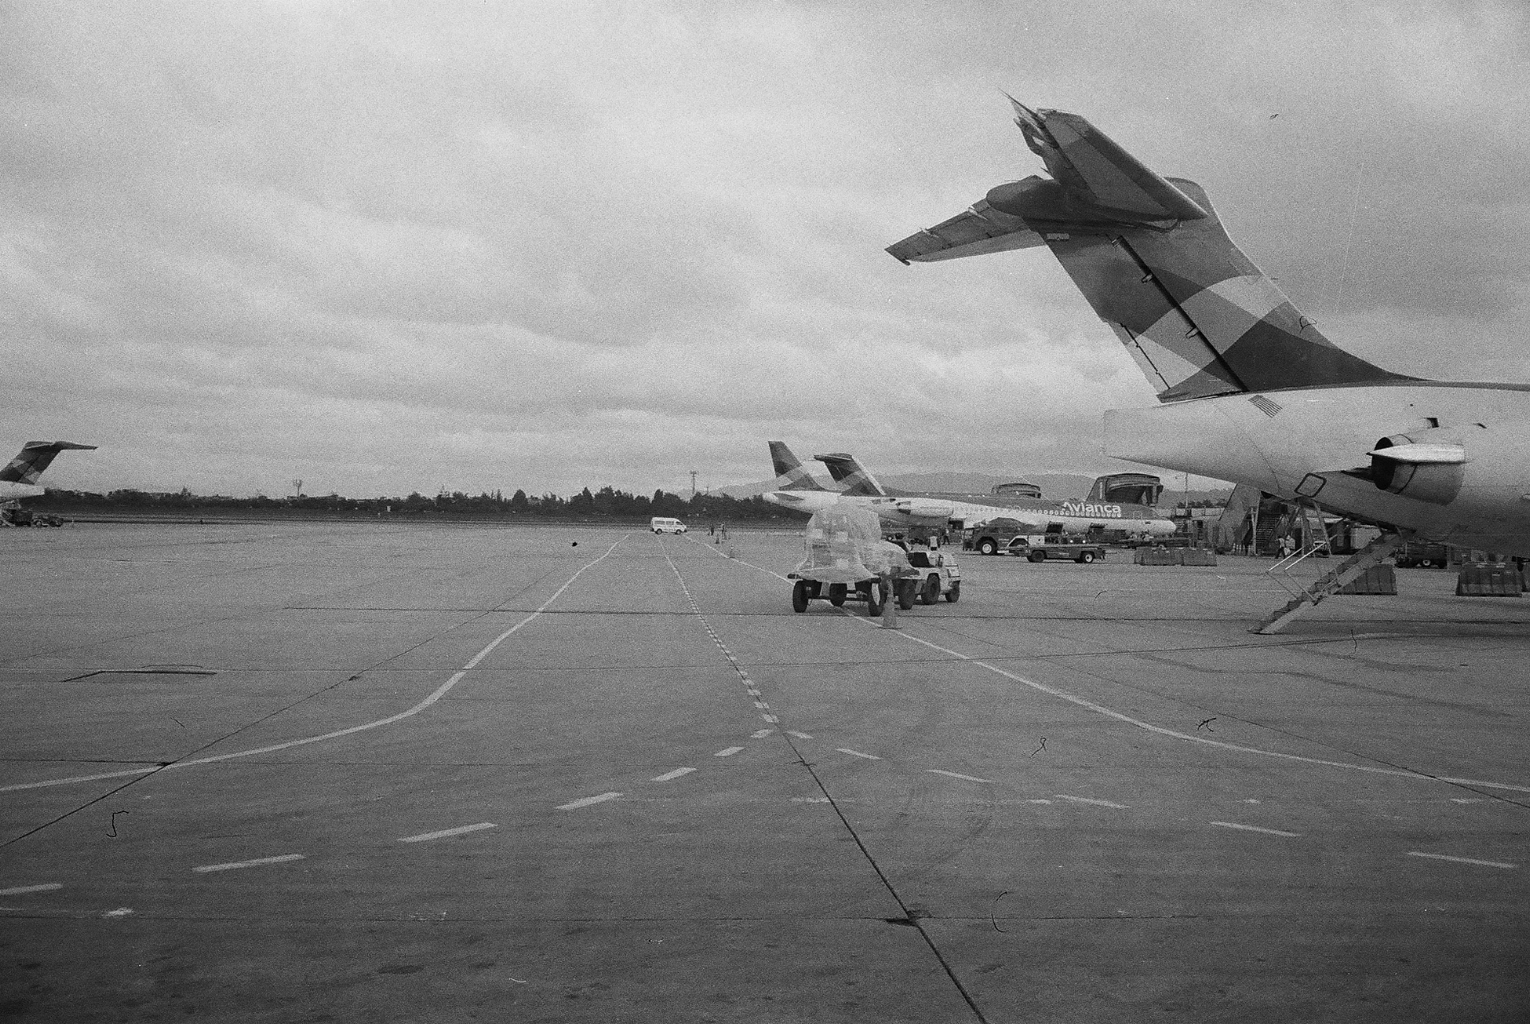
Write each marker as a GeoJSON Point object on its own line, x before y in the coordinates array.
{"type": "Point", "coordinates": [1053, 485]}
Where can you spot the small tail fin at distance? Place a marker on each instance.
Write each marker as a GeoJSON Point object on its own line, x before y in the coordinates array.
{"type": "Point", "coordinates": [1152, 258]}
{"type": "Point", "coordinates": [790, 476]}
{"type": "Point", "coordinates": [845, 470]}
{"type": "Point", "coordinates": [36, 456]}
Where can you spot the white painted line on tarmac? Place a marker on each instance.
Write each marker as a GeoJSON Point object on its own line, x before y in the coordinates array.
{"type": "Point", "coordinates": [772, 719]}
{"type": "Point", "coordinates": [258, 862]}
{"type": "Point", "coordinates": [1039, 801]}
{"type": "Point", "coordinates": [1256, 828]}
{"type": "Point", "coordinates": [574, 805]}
{"type": "Point", "coordinates": [727, 751]}
{"type": "Point", "coordinates": [798, 735]}
{"type": "Point", "coordinates": [22, 890]}
{"type": "Point", "coordinates": [760, 734]}
{"type": "Point", "coordinates": [1463, 860]}
{"type": "Point", "coordinates": [956, 775]}
{"type": "Point", "coordinates": [1466, 799]}
{"type": "Point", "coordinates": [762, 705]}
{"type": "Point", "coordinates": [1088, 800]}
{"type": "Point", "coordinates": [437, 694]}
{"type": "Point", "coordinates": [458, 831]}
{"type": "Point", "coordinates": [857, 753]}
{"type": "Point", "coordinates": [1159, 730]}
{"type": "Point", "coordinates": [119, 912]}
{"type": "Point", "coordinates": [667, 776]}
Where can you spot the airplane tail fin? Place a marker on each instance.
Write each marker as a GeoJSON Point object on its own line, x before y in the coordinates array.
{"type": "Point", "coordinates": [790, 476]}
{"type": "Point", "coordinates": [857, 480]}
{"type": "Point", "coordinates": [36, 456]}
{"type": "Point", "coordinates": [1152, 258]}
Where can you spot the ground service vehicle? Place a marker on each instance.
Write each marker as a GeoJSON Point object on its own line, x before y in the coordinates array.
{"type": "Point", "coordinates": [26, 517]}
{"type": "Point", "coordinates": [661, 524]}
{"type": "Point", "coordinates": [994, 536]}
{"type": "Point", "coordinates": [941, 576]}
{"type": "Point", "coordinates": [1424, 555]}
{"type": "Point", "coordinates": [1039, 548]}
{"type": "Point", "coordinates": [846, 559]}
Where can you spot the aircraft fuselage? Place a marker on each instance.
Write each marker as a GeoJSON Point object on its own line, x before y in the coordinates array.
{"type": "Point", "coordinates": [1320, 442]}
{"type": "Point", "coordinates": [928, 509]}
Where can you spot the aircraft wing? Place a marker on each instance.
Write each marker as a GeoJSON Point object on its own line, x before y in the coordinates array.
{"type": "Point", "coordinates": [976, 232]}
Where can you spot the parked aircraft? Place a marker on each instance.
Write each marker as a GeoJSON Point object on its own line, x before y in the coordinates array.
{"type": "Point", "coordinates": [1097, 512]}
{"type": "Point", "coordinates": [1251, 390]}
{"type": "Point", "coordinates": [797, 489]}
{"type": "Point", "coordinates": [19, 477]}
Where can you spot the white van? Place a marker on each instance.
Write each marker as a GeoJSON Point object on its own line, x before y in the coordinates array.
{"type": "Point", "coordinates": [659, 524]}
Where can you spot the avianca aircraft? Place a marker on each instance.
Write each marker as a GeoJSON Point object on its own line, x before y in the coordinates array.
{"type": "Point", "coordinates": [796, 488]}
{"type": "Point", "coordinates": [1095, 512]}
{"type": "Point", "coordinates": [19, 478]}
{"type": "Point", "coordinates": [1251, 390]}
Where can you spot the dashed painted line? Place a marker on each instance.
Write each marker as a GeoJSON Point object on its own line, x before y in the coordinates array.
{"type": "Point", "coordinates": [1090, 800]}
{"type": "Point", "coordinates": [798, 735]}
{"type": "Point", "coordinates": [258, 862]}
{"type": "Point", "coordinates": [574, 805]}
{"type": "Point", "coordinates": [1463, 860]}
{"type": "Point", "coordinates": [22, 890]}
{"type": "Point", "coordinates": [727, 751]}
{"type": "Point", "coordinates": [1256, 828]}
{"type": "Point", "coordinates": [857, 753]}
{"type": "Point", "coordinates": [668, 776]}
{"type": "Point", "coordinates": [956, 775]}
{"type": "Point", "coordinates": [425, 837]}
{"type": "Point", "coordinates": [760, 734]}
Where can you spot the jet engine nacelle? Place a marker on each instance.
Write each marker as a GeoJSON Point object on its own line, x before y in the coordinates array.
{"type": "Point", "coordinates": [1424, 466]}
{"type": "Point", "coordinates": [927, 509]}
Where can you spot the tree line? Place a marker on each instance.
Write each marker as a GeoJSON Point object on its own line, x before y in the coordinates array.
{"type": "Point", "coordinates": [608, 503]}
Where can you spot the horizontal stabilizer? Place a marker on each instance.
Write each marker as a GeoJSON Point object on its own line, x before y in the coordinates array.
{"type": "Point", "coordinates": [1096, 171]}
{"type": "Point", "coordinates": [977, 232]}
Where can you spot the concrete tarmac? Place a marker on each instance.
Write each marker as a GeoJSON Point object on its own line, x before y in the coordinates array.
{"type": "Point", "coordinates": [279, 772]}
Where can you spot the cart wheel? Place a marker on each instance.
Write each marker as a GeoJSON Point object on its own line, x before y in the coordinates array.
{"type": "Point", "coordinates": [931, 592]}
{"type": "Point", "coordinates": [1036, 556]}
{"type": "Point", "coordinates": [905, 590]}
{"type": "Point", "coordinates": [1426, 563]}
{"type": "Point", "coordinates": [876, 597]}
{"type": "Point", "coordinates": [987, 546]}
{"type": "Point", "coordinates": [1086, 557]}
{"type": "Point", "coordinates": [837, 594]}
{"type": "Point", "coordinates": [955, 593]}
{"type": "Point", "coordinates": [800, 596]}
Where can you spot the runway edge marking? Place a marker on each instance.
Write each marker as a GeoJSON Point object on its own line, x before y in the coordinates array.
{"type": "Point", "coordinates": [436, 695]}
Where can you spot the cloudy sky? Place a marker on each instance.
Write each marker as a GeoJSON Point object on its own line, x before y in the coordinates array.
{"type": "Point", "coordinates": [395, 247]}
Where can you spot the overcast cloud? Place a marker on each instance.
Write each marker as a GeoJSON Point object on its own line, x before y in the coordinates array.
{"type": "Point", "coordinates": [402, 247]}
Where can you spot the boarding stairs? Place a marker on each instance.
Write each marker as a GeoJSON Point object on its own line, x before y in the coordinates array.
{"type": "Point", "coordinates": [1307, 595]}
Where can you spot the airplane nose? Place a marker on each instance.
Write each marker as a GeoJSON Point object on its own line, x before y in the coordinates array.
{"type": "Point", "coordinates": [1193, 437]}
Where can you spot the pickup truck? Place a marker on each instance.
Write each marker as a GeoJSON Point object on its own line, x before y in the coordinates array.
{"type": "Point", "coordinates": [1039, 548]}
